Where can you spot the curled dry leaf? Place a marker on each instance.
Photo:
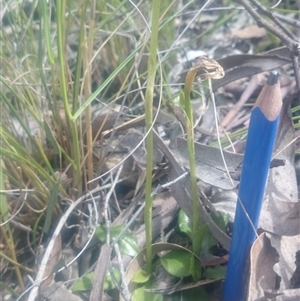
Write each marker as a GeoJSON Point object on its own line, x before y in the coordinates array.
{"type": "Point", "coordinates": [287, 248]}
{"type": "Point", "coordinates": [262, 276]}
{"type": "Point", "coordinates": [272, 266]}
{"type": "Point", "coordinates": [207, 68]}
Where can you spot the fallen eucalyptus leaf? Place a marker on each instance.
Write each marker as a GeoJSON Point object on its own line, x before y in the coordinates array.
{"type": "Point", "coordinates": [262, 276]}
{"type": "Point", "coordinates": [181, 193]}
{"type": "Point", "coordinates": [244, 65]}
{"type": "Point", "coordinates": [287, 247]}
{"type": "Point", "coordinates": [210, 167]}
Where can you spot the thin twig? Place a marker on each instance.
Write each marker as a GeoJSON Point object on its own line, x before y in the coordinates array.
{"type": "Point", "coordinates": [124, 286]}
{"type": "Point", "coordinates": [287, 20]}
{"type": "Point", "coordinates": [270, 27]}
{"type": "Point", "coordinates": [273, 18]}
{"type": "Point", "coordinates": [292, 44]}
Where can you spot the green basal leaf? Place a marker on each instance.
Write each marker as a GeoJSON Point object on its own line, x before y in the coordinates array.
{"type": "Point", "coordinates": [128, 245]}
{"type": "Point", "coordinates": [114, 232]}
{"type": "Point", "coordinates": [51, 138]}
{"type": "Point", "coordinates": [196, 294]}
{"type": "Point", "coordinates": [109, 284]}
{"type": "Point", "coordinates": [128, 242]}
{"type": "Point", "coordinates": [85, 283]}
{"type": "Point", "coordinates": [184, 224]}
{"type": "Point", "coordinates": [204, 240]}
{"type": "Point", "coordinates": [8, 288]}
{"type": "Point", "coordinates": [177, 263]}
{"type": "Point", "coordinates": [140, 295]}
{"type": "Point", "coordinates": [215, 272]}
{"type": "Point", "coordinates": [60, 264]}
{"type": "Point", "coordinates": [100, 233]}
{"type": "Point", "coordinates": [50, 207]}
{"type": "Point", "coordinates": [208, 241]}
{"type": "Point", "coordinates": [195, 269]}
{"type": "Point", "coordinates": [221, 220]}
{"type": "Point", "coordinates": [199, 239]}
{"type": "Point", "coordinates": [141, 276]}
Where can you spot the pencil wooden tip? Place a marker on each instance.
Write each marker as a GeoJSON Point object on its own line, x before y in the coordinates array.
{"type": "Point", "coordinates": [269, 99]}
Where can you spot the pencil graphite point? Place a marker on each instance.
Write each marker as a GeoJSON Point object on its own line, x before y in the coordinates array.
{"type": "Point", "coordinates": [273, 78]}
{"type": "Point", "coordinates": [269, 99]}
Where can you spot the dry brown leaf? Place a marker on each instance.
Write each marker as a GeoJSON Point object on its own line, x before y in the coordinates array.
{"type": "Point", "coordinates": [287, 247]}
{"type": "Point", "coordinates": [58, 292]}
{"type": "Point", "coordinates": [272, 266]}
{"type": "Point", "coordinates": [54, 257]}
{"type": "Point", "coordinates": [209, 164]}
{"type": "Point", "coordinates": [262, 276]}
{"type": "Point", "coordinates": [181, 192]}
{"type": "Point", "coordinates": [244, 65]}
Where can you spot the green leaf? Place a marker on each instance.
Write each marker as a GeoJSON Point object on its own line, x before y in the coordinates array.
{"type": "Point", "coordinates": [182, 99]}
{"type": "Point", "coordinates": [184, 224]}
{"type": "Point", "coordinates": [109, 283]}
{"type": "Point", "coordinates": [100, 233]}
{"type": "Point", "coordinates": [4, 286]}
{"type": "Point", "coordinates": [140, 295]}
{"type": "Point", "coordinates": [115, 231]}
{"type": "Point", "coordinates": [50, 136]}
{"type": "Point", "coordinates": [208, 241]}
{"type": "Point", "coordinates": [195, 269]}
{"type": "Point", "coordinates": [141, 276]}
{"type": "Point", "coordinates": [177, 263]}
{"type": "Point", "coordinates": [221, 220]}
{"type": "Point", "coordinates": [196, 294]}
{"type": "Point", "coordinates": [85, 283]}
{"type": "Point", "coordinates": [128, 245]}
{"type": "Point", "coordinates": [215, 272]}
{"type": "Point", "coordinates": [128, 242]}
{"type": "Point", "coordinates": [50, 206]}
{"type": "Point", "coordinates": [199, 239]}
{"type": "Point", "coordinates": [60, 264]}
{"type": "Point", "coordinates": [204, 240]}
{"type": "Point", "coordinates": [3, 200]}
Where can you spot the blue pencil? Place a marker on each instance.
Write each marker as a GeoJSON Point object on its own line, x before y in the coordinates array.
{"type": "Point", "coordinates": [259, 146]}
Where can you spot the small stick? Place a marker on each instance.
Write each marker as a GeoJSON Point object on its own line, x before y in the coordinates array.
{"type": "Point", "coordinates": [260, 141]}
{"type": "Point", "coordinates": [292, 44]}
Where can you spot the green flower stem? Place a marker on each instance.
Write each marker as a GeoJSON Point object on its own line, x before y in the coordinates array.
{"type": "Point", "coordinates": [187, 105]}
{"type": "Point", "coordinates": [148, 121]}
